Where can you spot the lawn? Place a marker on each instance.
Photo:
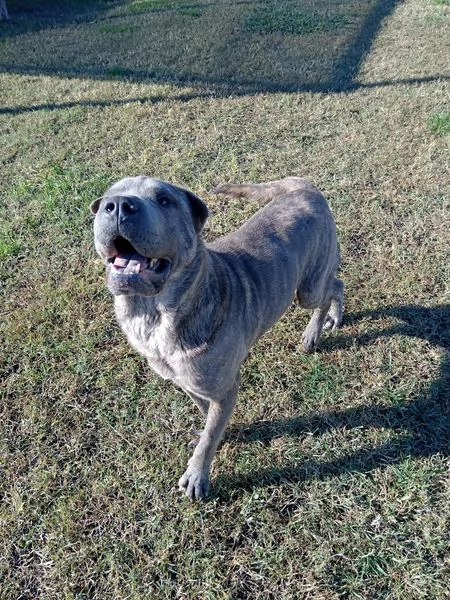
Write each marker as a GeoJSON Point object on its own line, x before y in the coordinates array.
{"type": "Point", "coordinates": [332, 481]}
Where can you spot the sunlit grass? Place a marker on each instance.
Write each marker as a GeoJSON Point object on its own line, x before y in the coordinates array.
{"type": "Point", "coordinates": [331, 481]}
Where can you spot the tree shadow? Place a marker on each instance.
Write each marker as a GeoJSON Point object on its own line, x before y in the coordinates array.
{"type": "Point", "coordinates": [425, 419]}
{"type": "Point", "coordinates": [230, 45]}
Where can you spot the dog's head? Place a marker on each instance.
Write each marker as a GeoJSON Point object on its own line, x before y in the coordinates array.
{"type": "Point", "coordinates": [146, 230]}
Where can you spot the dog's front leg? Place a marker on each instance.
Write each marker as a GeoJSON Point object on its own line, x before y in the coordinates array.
{"type": "Point", "coordinates": [195, 481]}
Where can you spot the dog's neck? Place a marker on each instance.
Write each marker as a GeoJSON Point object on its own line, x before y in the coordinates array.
{"type": "Point", "coordinates": [181, 300]}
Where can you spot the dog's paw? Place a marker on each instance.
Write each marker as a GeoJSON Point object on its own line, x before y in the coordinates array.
{"type": "Point", "coordinates": [195, 484]}
{"type": "Point", "coordinates": [310, 339]}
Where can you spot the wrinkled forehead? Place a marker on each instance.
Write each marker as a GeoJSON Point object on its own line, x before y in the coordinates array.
{"type": "Point", "coordinates": [143, 187]}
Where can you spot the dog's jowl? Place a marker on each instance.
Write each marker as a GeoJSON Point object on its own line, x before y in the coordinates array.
{"type": "Point", "coordinates": [194, 309]}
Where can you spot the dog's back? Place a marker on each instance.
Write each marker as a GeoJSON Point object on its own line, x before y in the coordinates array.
{"type": "Point", "coordinates": [288, 248]}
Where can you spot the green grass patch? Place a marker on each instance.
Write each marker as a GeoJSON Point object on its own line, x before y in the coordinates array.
{"type": "Point", "coordinates": [440, 124]}
{"type": "Point", "coordinates": [115, 28]}
{"type": "Point", "coordinates": [8, 247]}
{"type": "Point", "coordinates": [117, 72]}
{"type": "Point", "coordinates": [180, 6]}
{"type": "Point", "coordinates": [290, 19]}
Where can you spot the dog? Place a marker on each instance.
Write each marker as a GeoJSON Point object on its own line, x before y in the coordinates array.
{"type": "Point", "coordinates": [194, 310]}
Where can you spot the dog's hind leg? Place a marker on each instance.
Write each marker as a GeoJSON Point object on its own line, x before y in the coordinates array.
{"type": "Point", "coordinates": [311, 335]}
{"type": "Point", "coordinates": [327, 314]}
{"type": "Point", "coordinates": [334, 316]}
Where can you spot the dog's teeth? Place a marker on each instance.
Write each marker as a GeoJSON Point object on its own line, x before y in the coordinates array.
{"type": "Point", "coordinates": [133, 266]}
{"type": "Point", "coordinates": [154, 263]}
{"type": "Point", "coordinates": [120, 262]}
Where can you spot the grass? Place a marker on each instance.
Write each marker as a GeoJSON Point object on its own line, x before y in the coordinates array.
{"type": "Point", "coordinates": [226, 45]}
{"type": "Point", "coordinates": [440, 123]}
{"type": "Point", "coordinates": [183, 7]}
{"type": "Point", "coordinates": [274, 18]}
{"type": "Point", "coordinates": [332, 479]}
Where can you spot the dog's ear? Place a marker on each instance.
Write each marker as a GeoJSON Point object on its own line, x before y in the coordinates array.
{"type": "Point", "coordinates": [95, 205]}
{"type": "Point", "coordinates": [199, 210]}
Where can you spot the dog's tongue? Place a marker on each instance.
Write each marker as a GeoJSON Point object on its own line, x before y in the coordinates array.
{"type": "Point", "coordinates": [130, 262]}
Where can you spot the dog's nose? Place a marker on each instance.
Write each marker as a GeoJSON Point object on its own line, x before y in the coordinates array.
{"type": "Point", "coordinates": [120, 206]}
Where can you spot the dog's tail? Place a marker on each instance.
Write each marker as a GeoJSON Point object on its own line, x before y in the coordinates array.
{"type": "Point", "coordinates": [263, 192]}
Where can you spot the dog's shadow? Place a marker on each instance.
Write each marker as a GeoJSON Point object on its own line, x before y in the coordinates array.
{"type": "Point", "coordinates": [425, 418]}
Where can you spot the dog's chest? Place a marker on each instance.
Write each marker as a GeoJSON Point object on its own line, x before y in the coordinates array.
{"type": "Point", "coordinates": [155, 341]}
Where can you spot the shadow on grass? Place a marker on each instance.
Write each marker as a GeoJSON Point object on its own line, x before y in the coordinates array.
{"type": "Point", "coordinates": [425, 419]}
{"type": "Point", "coordinates": [228, 45]}
{"type": "Point", "coordinates": [15, 110]}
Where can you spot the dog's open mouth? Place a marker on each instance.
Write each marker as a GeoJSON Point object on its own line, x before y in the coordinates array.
{"type": "Point", "coordinates": [128, 261]}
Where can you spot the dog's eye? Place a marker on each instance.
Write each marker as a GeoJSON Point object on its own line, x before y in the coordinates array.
{"type": "Point", "coordinates": [163, 200]}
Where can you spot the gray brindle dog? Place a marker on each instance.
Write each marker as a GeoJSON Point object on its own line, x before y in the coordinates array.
{"type": "Point", "coordinates": [193, 309]}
